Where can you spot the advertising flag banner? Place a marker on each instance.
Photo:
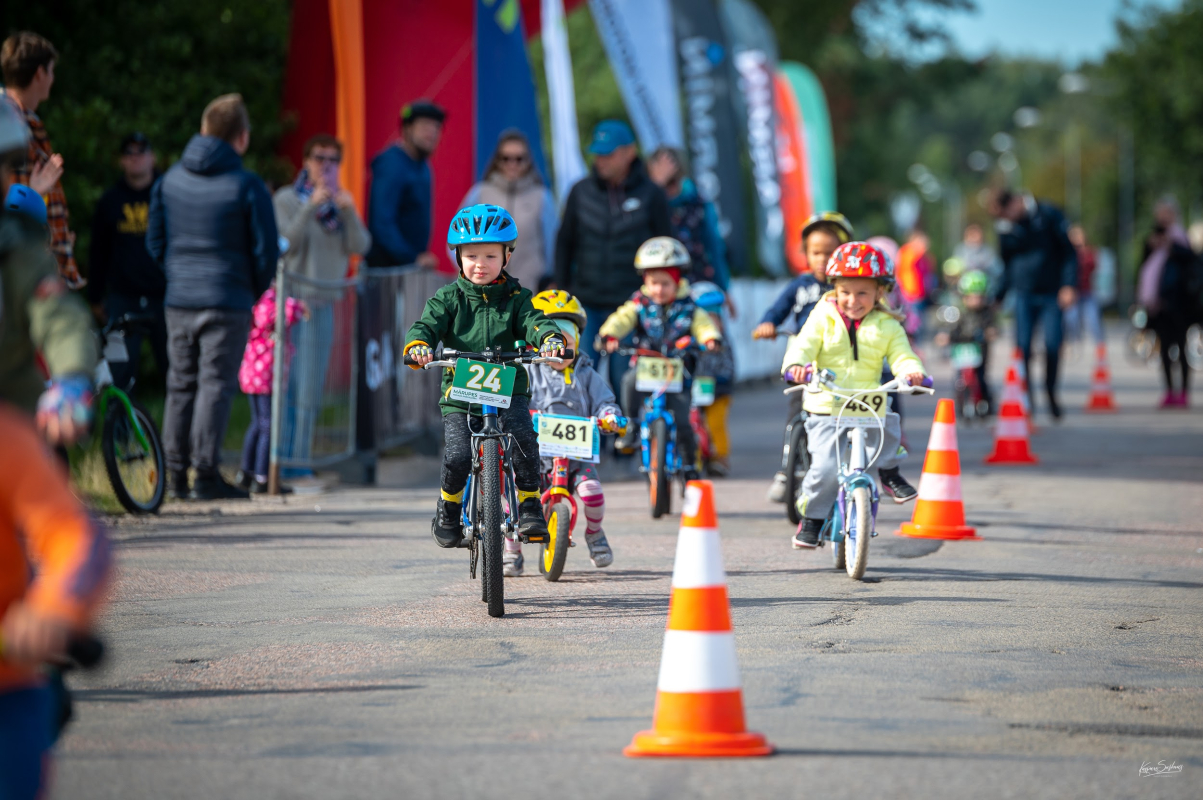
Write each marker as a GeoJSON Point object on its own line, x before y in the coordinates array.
{"type": "Point", "coordinates": [712, 131]}
{"type": "Point", "coordinates": [820, 147]}
{"type": "Point", "coordinates": [561, 97]}
{"type": "Point", "coordinates": [638, 38]}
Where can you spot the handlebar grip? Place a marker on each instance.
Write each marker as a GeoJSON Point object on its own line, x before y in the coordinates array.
{"type": "Point", "coordinates": [85, 650]}
{"type": "Point", "coordinates": [928, 382]}
{"type": "Point", "coordinates": [569, 354]}
{"type": "Point", "coordinates": [408, 361]}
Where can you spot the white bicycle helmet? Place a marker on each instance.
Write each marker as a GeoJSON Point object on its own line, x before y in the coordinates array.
{"type": "Point", "coordinates": [661, 252]}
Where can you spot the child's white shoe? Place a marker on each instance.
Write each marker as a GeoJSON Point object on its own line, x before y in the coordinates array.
{"type": "Point", "coordinates": [599, 549]}
{"type": "Point", "coordinates": [512, 561]}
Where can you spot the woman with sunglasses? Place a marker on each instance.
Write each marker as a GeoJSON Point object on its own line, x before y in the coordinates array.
{"type": "Point", "coordinates": [512, 182]}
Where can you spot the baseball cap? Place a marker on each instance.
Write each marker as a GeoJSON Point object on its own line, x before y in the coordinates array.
{"type": "Point", "coordinates": [135, 142]}
{"type": "Point", "coordinates": [422, 109]}
{"type": "Point", "coordinates": [609, 135]}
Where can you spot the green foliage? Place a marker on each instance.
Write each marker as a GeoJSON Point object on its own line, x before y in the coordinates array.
{"type": "Point", "coordinates": [126, 65]}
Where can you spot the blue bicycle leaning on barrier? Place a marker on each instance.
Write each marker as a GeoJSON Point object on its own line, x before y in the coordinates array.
{"type": "Point", "coordinates": [855, 511]}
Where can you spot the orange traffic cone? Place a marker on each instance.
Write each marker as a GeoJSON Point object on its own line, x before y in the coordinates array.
{"type": "Point", "coordinates": [699, 702]}
{"type": "Point", "coordinates": [1101, 398]}
{"type": "Point", "coordinates": [939, 510]}
{"type": "Point", "coordinates": [1024, 397]}
{"type": "Point", "coordinates": [1011, 433]}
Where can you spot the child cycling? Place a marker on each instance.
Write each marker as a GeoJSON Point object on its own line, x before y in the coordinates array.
{"type": "Point", "coordinates": [572, 388]}
{"type": "Point", "coordinates": [660, 314]}
{"type": "Point", "coordinates": [821, 235]}
{"type": "Point", "coordinates": [975, 324]}
{"type": "Point", "coordinates": [849, 332]}
{"type": "Point", "coordinates": [54, 561]}
{"type": "Point", "coordinates": [720, 365]}
{"type": "Point", "coordinates": [484, 308]}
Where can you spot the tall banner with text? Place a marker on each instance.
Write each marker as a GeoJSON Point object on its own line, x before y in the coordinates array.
{"type": "Point", "coordinates": [638, 38]}
{"type": "Point", "coordinates": [505, 90]}
{"type": "Point", "coordinates": [754, 63]}
{"type": "Point", "coordinates": [712, 131]}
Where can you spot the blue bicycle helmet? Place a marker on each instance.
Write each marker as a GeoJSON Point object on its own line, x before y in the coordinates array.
{"type": "Point", "coordinates": [482, 223]}
{"type": "Point", "coordinates": [708, 296]}
{"type": "Point", "coordinates": [24, 200]}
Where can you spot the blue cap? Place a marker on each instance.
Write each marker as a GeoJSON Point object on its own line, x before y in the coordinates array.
{"type": "Point", "coordinates": [609, 135]}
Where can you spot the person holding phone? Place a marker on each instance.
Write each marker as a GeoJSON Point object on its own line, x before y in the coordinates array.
{"type": "Point", "coordinates": [318, 218]}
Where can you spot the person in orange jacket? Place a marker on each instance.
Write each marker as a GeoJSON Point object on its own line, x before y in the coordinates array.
{"type": "Point", "coordinates": [54, 564]}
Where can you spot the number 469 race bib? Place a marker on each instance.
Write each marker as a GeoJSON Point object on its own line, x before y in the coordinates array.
{"type": "Point", "coordinates": [482, 383]}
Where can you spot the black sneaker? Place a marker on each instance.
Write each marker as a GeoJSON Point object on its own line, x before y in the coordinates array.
{"type": "Point", "coordinates": [896, 485]}
{"type": "Point", "coordinates": [807, 536]}
{"type": "Point", "coordinates": [531, 525]}
{"type": "Point", "coordinates": [244, 480]}
{"type": "Point", "coordinates": [690, 474]}
{"type": "Point", "coordinates": [1054, 408]}
{"type": "Point", "coordinates": [177, 484]}
{"type": "Point", "coordinates": [447, 525]}
{"type": "Point", "coordinates": [260, 487]}
{"type": "Point", "coordinates": [214, 487]}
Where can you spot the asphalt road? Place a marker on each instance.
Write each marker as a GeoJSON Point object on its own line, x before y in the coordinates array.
{"type": "Point", "coordinates": [324, 647]}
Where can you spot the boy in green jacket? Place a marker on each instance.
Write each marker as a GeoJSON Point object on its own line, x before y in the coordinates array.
{"type": "Point", "coordinates": [485, 307]}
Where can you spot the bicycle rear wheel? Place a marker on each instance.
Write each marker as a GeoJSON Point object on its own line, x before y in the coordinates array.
{"type": "Point", "coordinates": [657, 470]}
{"type": "Point", "coordinates": [490, 523]}
{"type": "Point", "coordinates": [796, 465]}
{"type": "Point", "coordinates": [136, 471]}
{"type": "Point", "coordinates": [859, 521]}
{"type": "Point", "coordinates": [555, 552]}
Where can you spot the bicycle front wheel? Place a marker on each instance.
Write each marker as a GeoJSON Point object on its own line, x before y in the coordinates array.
{"type": "Point", "coordinates": [796, 465]}
{"type": "Point", "coordinates": [135, 464]}
{"type": "Point", "coordinates": [858, 521]}
{"type": "Point", "coordinates": [555, 551]}
{"type": "Point", "coordinates": [490, 524]}
{"type": "Point", "coordinates": [657, 470]}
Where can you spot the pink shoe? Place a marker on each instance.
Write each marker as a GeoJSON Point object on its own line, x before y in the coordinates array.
{"type": "Point", "coordinates": [1180, 400]}
{"type": "Point", "coordinates": [1170, 400]}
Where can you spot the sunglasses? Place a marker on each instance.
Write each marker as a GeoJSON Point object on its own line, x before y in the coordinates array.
{"type": "Point", "coordinates": [512, 159]}
{"type": "Point", "coordinates": [327, 159]}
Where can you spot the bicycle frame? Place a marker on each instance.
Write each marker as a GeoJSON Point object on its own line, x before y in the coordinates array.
{"type": "Point", "coordinates": [491, 432]}
{"type": "Point", "coordinates": [655, 407]}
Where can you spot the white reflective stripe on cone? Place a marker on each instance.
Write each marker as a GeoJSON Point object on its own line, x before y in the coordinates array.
{"type": "Point", "coordinates": [699, 559]}
{"type": "Point", "coordinates": [698, 661]}
{"type": "Point", "coordinates": [1012, 429]}
{"type": "Point", "coordinates": [943, 436]}
{"type": "Point", "coordinates": [934, 486]}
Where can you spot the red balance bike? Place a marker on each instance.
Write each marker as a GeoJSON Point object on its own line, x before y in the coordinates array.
{"type": "Point", "coordinates": [564, 439]}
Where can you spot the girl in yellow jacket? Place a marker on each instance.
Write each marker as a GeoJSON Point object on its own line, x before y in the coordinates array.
{"type": "Point", "coordinates": [849, 332]}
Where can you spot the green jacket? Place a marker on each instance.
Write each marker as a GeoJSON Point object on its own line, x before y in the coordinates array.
{"type": "Point", "coordinates": [40, 315]}
{"type": "Point", "coordinates": [464, 316]}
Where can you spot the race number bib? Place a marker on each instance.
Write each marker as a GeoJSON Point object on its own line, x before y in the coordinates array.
{"type": "Point", "coordinates": [568, 437]}
{"type": "Point", "coordinates": [874, 400]}
{"type": "Point", "coordinates": [482, 383]}
{"type": "Point", "coordinates": [115, 349]}
{"type": "Point", "coordinates": [966, 356]}
{"type": "Point", "coordinates": [659, 374]}
{"type": "Point", "coordinates": [703, 391]}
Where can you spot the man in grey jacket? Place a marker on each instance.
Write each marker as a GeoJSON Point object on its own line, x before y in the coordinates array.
{"type": "Point", "coordinates": [212, 229]}
{"type": "Point", "coordinates": [323, 230]}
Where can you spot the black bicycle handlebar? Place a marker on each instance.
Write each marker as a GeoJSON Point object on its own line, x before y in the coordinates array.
{"type": "Point", "coordinates": [491, 357]}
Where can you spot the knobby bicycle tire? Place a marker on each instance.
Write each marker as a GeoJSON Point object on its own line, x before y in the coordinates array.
{"type": "Point", "coordinates": [797, 463]}
{"type": "Point", "coordinates": [657, 472]}
{"type": "Point", "coordinates": [554, 553]}
{"type": "Point", "coordinates": [490, 523]}
{"type": "Point", "coordinates": [119, 443]}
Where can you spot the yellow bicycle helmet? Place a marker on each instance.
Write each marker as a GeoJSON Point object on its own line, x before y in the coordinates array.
{"type": "Point", "coordinates": [558, 304]}
{"type": "Point", "coordinates": [843, 228]}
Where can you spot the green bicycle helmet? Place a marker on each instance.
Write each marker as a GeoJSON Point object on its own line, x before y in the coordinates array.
{"type": "Point", "coordinates": [973, 282]}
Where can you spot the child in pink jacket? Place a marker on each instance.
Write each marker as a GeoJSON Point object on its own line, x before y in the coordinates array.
{"type": "Point", "coordinates": [255, 378]}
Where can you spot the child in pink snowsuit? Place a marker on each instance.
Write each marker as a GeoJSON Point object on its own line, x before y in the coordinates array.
{"type": "Point", "coordinates": [255, 378]}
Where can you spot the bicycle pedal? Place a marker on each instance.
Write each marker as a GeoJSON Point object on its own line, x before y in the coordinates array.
{"type": "Point", "coordinates": [536, 538]}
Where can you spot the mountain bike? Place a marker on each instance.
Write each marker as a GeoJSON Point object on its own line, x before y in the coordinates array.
{"type": "Point", "coordinates": [852, 522]}
{"type": "Point", "coordinates": [564, 439]}
{"type": "Point", "coordinates": [968, 394]}
{"type": "Point", "coordinates": [490, 507]}
{"type": "Point", "coordinates": [129, 439]}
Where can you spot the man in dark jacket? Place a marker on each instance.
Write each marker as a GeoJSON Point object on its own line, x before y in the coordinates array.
{"type": "Point", "coordinates": [122, 276]}
{"type": "Point", "coordinates": [1041, 266]}
{"type": "Point", "coordinates": [213, 229]}
{"type": "Point", "coordinates": [608, 214]}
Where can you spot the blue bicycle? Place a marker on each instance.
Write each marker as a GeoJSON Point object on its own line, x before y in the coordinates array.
{"type": "Point", "coordinates": [490, 508]}
{"type": "Point", "coordinates": [855, 511]}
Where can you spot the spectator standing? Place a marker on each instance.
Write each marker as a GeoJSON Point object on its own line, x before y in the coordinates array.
{"type": "Point", "coordinates": [212, 229]}
{"type": "Point", "coordinates": [1085, 310]}
{"type": "Point", "coordinates": [27, 61]}
{"type": "Point", "coordinates": [1041, 266]}
{"type": "Point", "coordinates": [915, 272]}
{"type": "Point", "coordinates": [1162, 289]}
{"type": "Point", "coordinates": [318, 219]}
{"type": "Point", "coordinates": [608, 214]}
{"type": "Point", "coordinates": [512, 182]}
{"type": "Point", "coordinates": [399, 207]}
{"type": "Point", "coordinates": [123, 278]}
{"type": "Point", "coordinates": [694, 220]}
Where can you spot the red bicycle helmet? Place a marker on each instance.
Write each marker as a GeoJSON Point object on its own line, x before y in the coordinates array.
{"type": "Point", "coordinates": [860, 260]}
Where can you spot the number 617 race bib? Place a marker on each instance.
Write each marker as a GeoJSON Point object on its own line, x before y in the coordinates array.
{"type": "Point", "coordinates": [482, 383]}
